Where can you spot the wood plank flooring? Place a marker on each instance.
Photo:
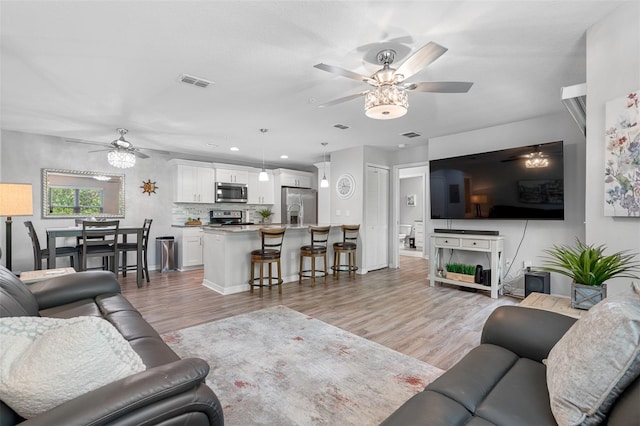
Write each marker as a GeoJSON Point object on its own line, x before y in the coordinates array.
{"type": "Point", "coordinates": [393, 307]}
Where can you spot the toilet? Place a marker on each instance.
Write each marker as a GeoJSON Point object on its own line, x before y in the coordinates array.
{"type": "Point", "coordinates": [405, 231]}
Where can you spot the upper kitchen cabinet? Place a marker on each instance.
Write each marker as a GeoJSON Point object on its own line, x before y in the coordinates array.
{"type": "Point", "coordinates": [226, 175]}
{"type": "Point", "coordinates": [194, 182]}
{"type": "Point", "coordinates": [261, 192]}
{"type": "Point", "coordinates": [293, 178]}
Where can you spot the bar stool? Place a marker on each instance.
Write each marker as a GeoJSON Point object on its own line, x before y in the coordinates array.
{"type": "Point", "coordinates": [317, 248]}
{"type": "Point", "coordinates": [269, 253]}
{"type": "Point", "coordinates": [347, 246]}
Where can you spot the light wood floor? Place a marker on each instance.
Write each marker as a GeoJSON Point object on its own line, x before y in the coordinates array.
{"type": "Point", "coordinates": [393, 307]}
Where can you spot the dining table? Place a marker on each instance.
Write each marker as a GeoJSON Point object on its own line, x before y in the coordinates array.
{"type": "Point", "coordinates": [76, 231]}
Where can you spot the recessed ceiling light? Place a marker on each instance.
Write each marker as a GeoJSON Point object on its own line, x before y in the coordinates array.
{"type": "Point", "coordinates": [212, 145]}
{"type": "Point", "coordinates": [284, 156]}
{"type": "Point", "coordinates": [234, 148]}
{"type": "Point", "coordinates": [402, 145]}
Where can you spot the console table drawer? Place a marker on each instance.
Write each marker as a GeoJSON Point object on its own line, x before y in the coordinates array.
{"type": "Point", "coordinates": [448, 242]}
{"type": "Point", "coordinates": [484, 244]}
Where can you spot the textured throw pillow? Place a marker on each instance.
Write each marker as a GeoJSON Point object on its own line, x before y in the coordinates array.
{"type": "Point", "coordinates": [595, 361]}
{"type": "Point", "coordinates": [47, 361]}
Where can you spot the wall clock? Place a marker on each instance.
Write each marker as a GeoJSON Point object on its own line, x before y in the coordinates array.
{"type": "Point", "coordinates": [345, 186]}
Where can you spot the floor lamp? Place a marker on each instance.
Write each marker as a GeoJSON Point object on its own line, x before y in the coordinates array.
{"type": "Point", "coordinates": [15, 200]}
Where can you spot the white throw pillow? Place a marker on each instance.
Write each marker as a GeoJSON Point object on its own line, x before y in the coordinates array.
{"type": "Point", "coordinates": [47, 361]}
{"type": "Point", "coordinates": [595, 361]}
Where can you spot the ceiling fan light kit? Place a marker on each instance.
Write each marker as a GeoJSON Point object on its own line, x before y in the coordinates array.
{"type": "Point", "coordinates": [121, 158]}
{"type": "Point", "coordinates": [536, 160]}
{"type": "Point", "coordinates": [386, 102]}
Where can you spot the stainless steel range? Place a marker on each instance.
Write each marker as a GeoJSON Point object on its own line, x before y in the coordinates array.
{"type": "Point", "coordinates": [227, 217]}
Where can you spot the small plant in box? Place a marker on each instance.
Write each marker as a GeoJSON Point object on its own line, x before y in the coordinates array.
{"type": "Point", "coordinates": [461, 272]}
{"type": "Point", "coordinates": [589, 268]}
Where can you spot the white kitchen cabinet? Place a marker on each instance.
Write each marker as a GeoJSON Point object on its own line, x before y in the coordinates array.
{"type": "Point", "coordinates": [232, 176]}
{"type": "Point", "coordinates": [261, 192]}
{"type": "Point", "coordinates": [418, 233]}
{"type": "Point", "coordinates": [191, 248]}
{"type": "Point", "coordinates": [294, 178]}
{"type": "Point", "coordinates": [193, 183]}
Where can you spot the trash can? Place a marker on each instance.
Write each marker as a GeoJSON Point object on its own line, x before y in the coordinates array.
{"type": "Point", "coordinates": [166, 254]}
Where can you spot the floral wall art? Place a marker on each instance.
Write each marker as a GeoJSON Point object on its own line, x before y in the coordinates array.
{"type": "Point", "coordinates": [622, 156]}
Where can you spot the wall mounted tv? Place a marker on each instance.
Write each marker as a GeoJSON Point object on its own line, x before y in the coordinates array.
{"type": "Point", "coordinates": [517, 183]}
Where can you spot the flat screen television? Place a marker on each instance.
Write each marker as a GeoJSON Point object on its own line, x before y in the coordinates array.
{"type": "Point", "coordinates": [516, 183]}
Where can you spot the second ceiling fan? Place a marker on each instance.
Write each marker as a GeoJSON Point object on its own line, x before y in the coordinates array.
{"type": "Point", "coordinates": [388, 98]}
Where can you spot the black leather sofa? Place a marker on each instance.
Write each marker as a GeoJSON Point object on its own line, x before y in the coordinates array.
{"type": "Point", "coordinates": [171, 391]}
{"type": "Point", "coordinates": [503, 381]}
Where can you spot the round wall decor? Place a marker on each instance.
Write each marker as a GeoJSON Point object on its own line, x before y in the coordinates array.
{"type": "Point", "coordinates": [345, 186]}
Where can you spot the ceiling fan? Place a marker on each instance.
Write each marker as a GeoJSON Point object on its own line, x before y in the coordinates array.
{"type": "Point", "coordinates": [122, 153]}
{"type": "Point", "coordinates": [388, 98]}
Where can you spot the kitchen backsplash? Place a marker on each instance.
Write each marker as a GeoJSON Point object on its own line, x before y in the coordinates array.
{"type": "Point", "coordinates": [182, 212]}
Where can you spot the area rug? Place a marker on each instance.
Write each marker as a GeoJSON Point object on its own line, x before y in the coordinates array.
{"type": "Point", "coordinates": [277, 366]}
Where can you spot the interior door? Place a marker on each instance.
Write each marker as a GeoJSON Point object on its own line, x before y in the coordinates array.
{"type": "Point", "coordinates": [376, 218]}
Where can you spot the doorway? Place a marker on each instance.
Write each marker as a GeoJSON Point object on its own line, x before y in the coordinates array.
{"type": "Point", "coordinates": [410, 206]}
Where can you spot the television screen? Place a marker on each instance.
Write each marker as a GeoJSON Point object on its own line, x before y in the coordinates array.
{"type": "Point", "coordinates": [517, 183]}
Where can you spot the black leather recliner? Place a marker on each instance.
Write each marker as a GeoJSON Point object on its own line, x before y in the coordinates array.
{"type": "Point", "coordinates": [503, 381]}
{"type": "Point", "coordinates": [171, 391]}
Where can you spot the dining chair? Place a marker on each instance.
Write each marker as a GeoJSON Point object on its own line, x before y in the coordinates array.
{"type": "Point", "coordinates": [100, 239]}
{"type": "Point", "coordinates": [40, 253]}
{"type": "Point", "coordinates": [124, 248]}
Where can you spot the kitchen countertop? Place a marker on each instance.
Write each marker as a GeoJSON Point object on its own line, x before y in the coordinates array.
{"type": "Point", "coordinates": [254, 228]}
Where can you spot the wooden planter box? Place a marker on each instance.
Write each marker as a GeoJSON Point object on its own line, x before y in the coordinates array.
{"type": "Point", "coordinates": [461, 277]}
{"type": "Point", "coordinates": [586, 296]}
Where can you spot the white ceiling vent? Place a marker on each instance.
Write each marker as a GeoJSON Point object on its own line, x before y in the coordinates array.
{"type": "Point", "coordinates": [574, 99]}
{"type": "Point", "coordinates": [196, 81]}
{"type": "Point", "coordinates": [410, 135]}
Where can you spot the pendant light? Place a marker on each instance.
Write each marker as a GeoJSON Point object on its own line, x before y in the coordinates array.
{"type": "Point", "coordinates": [263, 176]}
{"type": "Point", "coordinates": [324, 183]}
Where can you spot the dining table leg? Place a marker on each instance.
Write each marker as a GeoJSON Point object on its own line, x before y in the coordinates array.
{"type": "Point", "coordinates": [51, 245]}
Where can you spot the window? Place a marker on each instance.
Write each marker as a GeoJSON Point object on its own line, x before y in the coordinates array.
{"type": "Point", "coordinates": [83, 201]}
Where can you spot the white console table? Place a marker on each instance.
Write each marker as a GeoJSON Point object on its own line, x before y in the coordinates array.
{"type": "Point", "coordinates": [494, 245]}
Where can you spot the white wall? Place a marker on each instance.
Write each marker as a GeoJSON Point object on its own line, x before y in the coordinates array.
{"type": "Point", "coordinates": [539, 234]}
{"type": "Point", "coordinates": [25, 154]}
{"type": "Point", "coordinates": [411, 186]}
{"type": "Point", "coordinates": [613, 70]}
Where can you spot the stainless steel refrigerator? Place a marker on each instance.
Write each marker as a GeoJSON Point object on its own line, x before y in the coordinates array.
{"type": "Point", "coordinates": [299, 206]}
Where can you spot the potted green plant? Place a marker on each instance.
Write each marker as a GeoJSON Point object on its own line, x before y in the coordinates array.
{"type": "Point", "coordinates": [265, 214]}
{"type": "Point", "coordinates": [590, 269]}
{"type": "Point", "coordinates": [461, 272]}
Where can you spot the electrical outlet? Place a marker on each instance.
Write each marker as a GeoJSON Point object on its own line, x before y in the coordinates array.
{"type": "Point", "coordinates": [527, 263]}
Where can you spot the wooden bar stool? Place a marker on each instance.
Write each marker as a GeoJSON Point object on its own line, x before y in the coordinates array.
{"type": "Point", "coordinates": [269, 253]}
{"type": "Point", "coordinates": [317, 248]}
{"type": "Point", "coordinates": [347, 246]}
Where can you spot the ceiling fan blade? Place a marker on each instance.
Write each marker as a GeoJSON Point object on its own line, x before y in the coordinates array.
{"type": "Point", "coordinates": [345, 73]}
{"type": "Point", "coordinates": [101, 150]}
{"type": "Point", "coordinates": [139, 154]}
{"type": "Point", "coordinates": [440, 86]}
{"type": "Point", "coordinates": [343, 99]}
{"type": "Point", "coordinates": [423, 57]}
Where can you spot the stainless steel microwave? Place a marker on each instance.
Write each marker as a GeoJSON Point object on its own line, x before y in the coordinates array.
{"type": "Point", "coordinates": [231, 192]}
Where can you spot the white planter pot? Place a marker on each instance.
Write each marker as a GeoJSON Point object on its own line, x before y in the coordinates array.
{"type": "Point", "coordinates": [586, 296]}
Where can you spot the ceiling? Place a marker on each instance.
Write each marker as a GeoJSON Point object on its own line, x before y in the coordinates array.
{"type": "Point", "coordinates": [81, 69]}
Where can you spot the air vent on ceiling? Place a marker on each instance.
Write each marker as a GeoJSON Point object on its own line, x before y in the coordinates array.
{"type": "Point", "coordinates": [196, 81]}
{"type": "Point", "coordinates": [340, 126]}
{"type": "Point", "coordinates": [411, 135]}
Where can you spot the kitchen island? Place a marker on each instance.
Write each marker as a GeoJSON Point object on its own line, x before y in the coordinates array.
{"type": "Point", "coordinates": [227, 259]}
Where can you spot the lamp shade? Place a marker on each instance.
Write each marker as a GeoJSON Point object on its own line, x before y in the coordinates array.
{"type": "Point", "coordinates": [16, 199]}
{"type": "Point", "coordinates": [479, 199]}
